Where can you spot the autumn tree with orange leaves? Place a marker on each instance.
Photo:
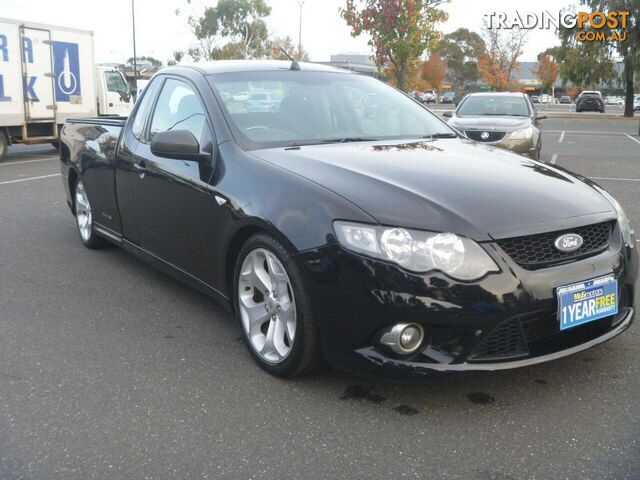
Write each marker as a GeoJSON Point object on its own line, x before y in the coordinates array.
{"type": "Point", "coordinates": [433, 71]}
{"type": "Point", "coordinates": [547, 71]}
{"type": "Point", "coordinates": [400, 31]}
{"type": "Point", "coordinates": [500, 61]}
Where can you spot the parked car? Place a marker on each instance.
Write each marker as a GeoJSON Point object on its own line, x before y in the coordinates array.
{"type": "Point", "coordinates": [448, 97]}
{"type": "Point", "coordinates": [590, 101]}
{"type": "Point", "coordinates": [506, 120]}
{"type": "Point", "coordinates": [429, 96]}
{"type": "Point", "coordinates": [636, 102]}
{"type": "Point", "coordinates": [386, 245]}
{"type": "Point", "coordinates": [564, 99]}
{"type": "Point", "coordinates": [535, 99]}
{"type": "Point", "coordinates": [263, 102]}
{"type": "Point", "coordinates": [242, 96]}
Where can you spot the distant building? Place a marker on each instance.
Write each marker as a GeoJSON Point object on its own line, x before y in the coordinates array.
{"type": "Point", "coordinates": [355, 62]}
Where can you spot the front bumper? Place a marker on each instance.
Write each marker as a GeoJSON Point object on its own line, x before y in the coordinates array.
{"type": "Point", "coordinates": [354, 298]}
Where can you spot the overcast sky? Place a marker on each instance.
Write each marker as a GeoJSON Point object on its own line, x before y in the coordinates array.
{"type": "Point", "coordinates": [160, 32]}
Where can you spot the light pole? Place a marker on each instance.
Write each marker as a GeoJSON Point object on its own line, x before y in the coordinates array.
{"type": "Point", "coordinates": [135, 56]}
{"type": "Point", "coordinates": [300, 3]}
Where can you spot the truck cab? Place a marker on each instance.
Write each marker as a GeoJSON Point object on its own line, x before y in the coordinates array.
{"type": "Point", "coordinates": [112, 92]}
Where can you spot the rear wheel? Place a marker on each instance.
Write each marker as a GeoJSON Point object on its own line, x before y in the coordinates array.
{"type": "Point", "coordinates": [273, 309]}
{"type": "Point", "coordinates": [84, 218]}
{"type": "Point", "coordinates": [4, 146]}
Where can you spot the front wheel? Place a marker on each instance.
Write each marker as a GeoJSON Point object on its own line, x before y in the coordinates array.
{"type": "Point", "coordinates": [272, 306]}
{"type": "Point", "coordinates": [84, 219]}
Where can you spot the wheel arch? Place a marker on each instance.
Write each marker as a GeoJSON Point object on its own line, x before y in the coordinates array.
{"type": "Point", "coordinates": [239, 238]}
{"type": "Point", "coordinates": [72, 180]}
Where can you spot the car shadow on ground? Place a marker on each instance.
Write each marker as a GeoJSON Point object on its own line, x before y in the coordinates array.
{"type": "Point", "coordinates": [541, 386]}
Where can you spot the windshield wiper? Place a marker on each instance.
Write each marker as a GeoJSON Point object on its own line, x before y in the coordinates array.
{"type": "Point", "coordinates": [349, 140]}
{"type": "Point", "coordinates": [441, 135]}
{"type": "Point", "coordinates": [501, 114]}
{"type": "Point", "coordinates": [329, 141]}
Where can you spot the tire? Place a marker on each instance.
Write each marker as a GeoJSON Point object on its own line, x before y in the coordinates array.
{"type": "Point", "coordinates": [84, 218]}
{"type": "Point", "coordinates": [294, 348]}
{"type": "Point", "coordinates": [4, 146]}
{"type": "Point", "coordinates": [536, 155]}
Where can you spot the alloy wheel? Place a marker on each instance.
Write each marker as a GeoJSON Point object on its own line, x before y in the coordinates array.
{"type": "Point", "coordinates": [83, 212]}
{"type": "Point", "coordinates": [267, 305]}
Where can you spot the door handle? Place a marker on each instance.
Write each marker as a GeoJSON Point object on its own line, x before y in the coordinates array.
{"type": "Point", "coordinates": [140, 168]}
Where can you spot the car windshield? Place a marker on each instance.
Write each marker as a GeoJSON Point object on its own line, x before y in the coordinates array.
{"type": "Point", "coordinates": [115, 82]}
{"type": "Point", "coordinates": [320, 107]}
{"type": "Point", "coordinates": [494, 105]}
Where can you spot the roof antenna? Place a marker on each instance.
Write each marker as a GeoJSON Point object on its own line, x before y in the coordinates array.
{"type": "Point", "coordinates": [294, 64]}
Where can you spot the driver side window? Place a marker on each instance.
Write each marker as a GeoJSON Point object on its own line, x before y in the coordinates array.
{"type": "Point", "coordinates": [179, 108]}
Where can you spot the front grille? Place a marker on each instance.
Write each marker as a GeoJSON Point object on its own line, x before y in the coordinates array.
{"type": "Point", "coordinates": [506, 341]}
{"type": "Point", "coordinates": [539, 334]}
{"type": "Point", "coordinates": [477, 135]}
{"type": "Point", "coordinates": [536, 251]}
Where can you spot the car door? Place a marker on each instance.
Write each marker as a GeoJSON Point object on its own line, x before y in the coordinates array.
{"type": "Point", "coordinates": [173, 201]}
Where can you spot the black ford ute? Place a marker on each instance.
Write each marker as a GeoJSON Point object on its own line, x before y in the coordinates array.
{"type": "Point", "coordinates": [347, 224]}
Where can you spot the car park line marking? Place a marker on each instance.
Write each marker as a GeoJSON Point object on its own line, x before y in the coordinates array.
{"type": "Point", "coordinates": [561, 139]}
{"type": "Point", "coordinates": [48, 159]}
{"type": "Point", "coordinates": [554, 158]}
{"type": "Point", "coordinates": [634, 139]}
{"type": "Point", "coordinates": [585, 132]}
{"type": "Point", "coordinates": [619, 179]}
{"type": "Point", "coordinates": [30, 178]}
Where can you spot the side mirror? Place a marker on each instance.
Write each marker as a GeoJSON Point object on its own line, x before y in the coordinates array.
{"type": "Point", "coordinates": [447, 113]}
{"type": "Point", "coordinates": [178, 145]}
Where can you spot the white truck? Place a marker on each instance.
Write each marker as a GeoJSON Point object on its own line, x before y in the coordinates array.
{"type": "Point", "coordinates": [48, 74]}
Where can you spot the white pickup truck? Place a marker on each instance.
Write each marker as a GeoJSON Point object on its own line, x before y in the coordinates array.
{"type": "Point", "coordinates": [47, 75]}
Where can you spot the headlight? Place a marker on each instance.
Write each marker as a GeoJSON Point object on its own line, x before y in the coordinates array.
{"type": "Point", "coordinates": [418, 251]}
{"type": "Point", "coordinates": [522, 134]}
{"type": "Point", "coordinates": [628, 234]}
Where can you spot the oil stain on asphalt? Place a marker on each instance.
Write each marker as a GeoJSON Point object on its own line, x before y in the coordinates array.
{"type": "Point", "coordinates": [358, 392]}
{"type": "Point", "coordinates": [480, 398]}
{"type": "Point", "coordinates": [406, 410]}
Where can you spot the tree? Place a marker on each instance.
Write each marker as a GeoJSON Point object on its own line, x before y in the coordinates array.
{"type": "Point", "coordinates": [586, 65]}
{"type": "Point", "coordinates": [461, 50]}
{"type": "Point", "coordinates": [205, 29]}
{"type": "Point", "coordinates": [242, 21]}
{"type": "Point", "coordinates": [153, 61]}
{"type": "Point", "coordinates": [178, 55]}
{"type": "Point", "coordinates": [400, 30]}
{"type": "Point", "coordinates": [433, 71]}
{"type": "Point", "coordinates": [571, 92]}
{"type": "Point", "coordinates": [238, 25]}
{"type": "Point", "coordinates": [500, 60]}
{"type": "Point", "coordinates": [623, 39]}
{"type": "Point", "coordinates": [278, 44]}
{"type": "Point", "coordinates": [547, 71]}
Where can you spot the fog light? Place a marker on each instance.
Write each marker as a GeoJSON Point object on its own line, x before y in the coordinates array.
{"type": "Point", "coordinates": [403, 338]}
{"type": "Point", "coordinates": [411, 337]}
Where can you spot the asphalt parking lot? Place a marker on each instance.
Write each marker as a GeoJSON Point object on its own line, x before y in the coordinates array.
{"type": "Point", "coordinates": [110, 369]}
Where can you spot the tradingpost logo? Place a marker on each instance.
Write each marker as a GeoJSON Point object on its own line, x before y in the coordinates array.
{"type": "Point", "coordinates": [594, 26]}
